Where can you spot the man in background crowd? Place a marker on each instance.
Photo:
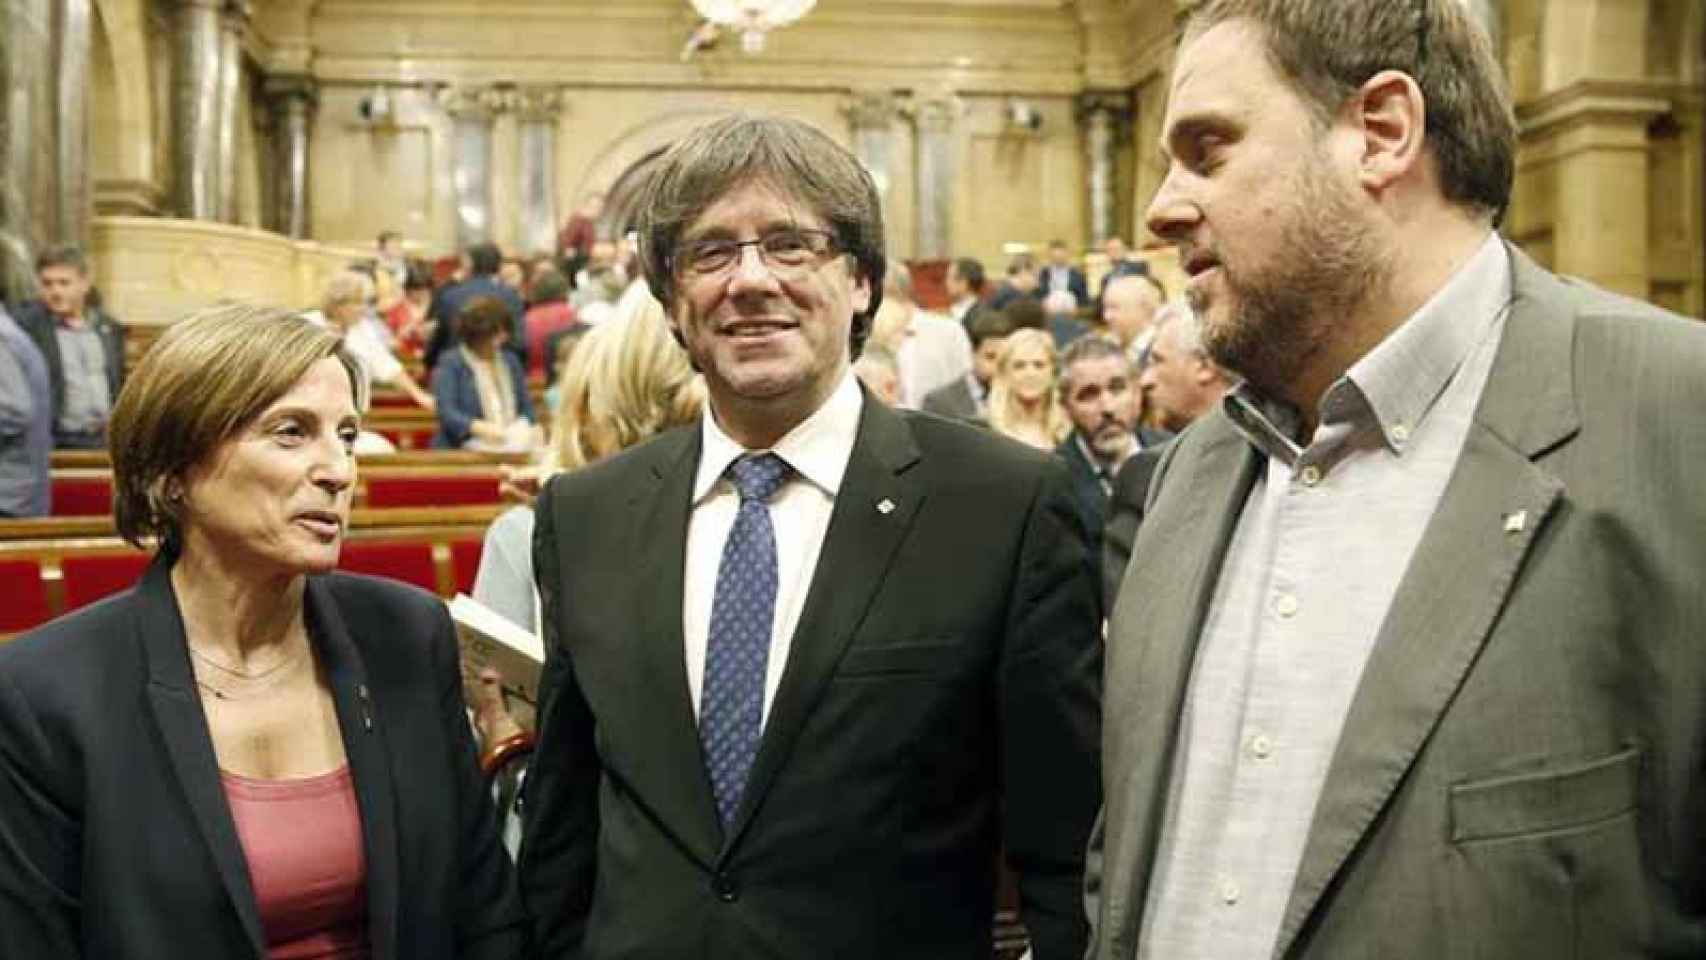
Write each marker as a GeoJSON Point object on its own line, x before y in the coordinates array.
{"type": "Point", "coordinates": [965, 288]}
{"type": "Point", "coordinates": [1128, 312]}
{"type": "Point", "coordinates": [1021, 283]}
{"type": "Point", "coordinates": [483, 262]}
{"type": "Point", "coordinates": [1096, 387]}
{"type": "Point", "coordinates": [83, 348]}
{"type": "Point", "coordinates": [968, 397]}
{"type": "Point", "coordinates": [1061, 275]}
{"type": "Point", "coordinates": [26, 425]}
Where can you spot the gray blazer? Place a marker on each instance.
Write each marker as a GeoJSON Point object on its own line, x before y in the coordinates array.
{"type": "Point", "coordinates": [1523, 769]}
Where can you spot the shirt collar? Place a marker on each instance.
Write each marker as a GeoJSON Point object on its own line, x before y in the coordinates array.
{"type": "Point", "coordinates": [1394, 385]}
{"type": "Point", "coordinates": [817, 449]}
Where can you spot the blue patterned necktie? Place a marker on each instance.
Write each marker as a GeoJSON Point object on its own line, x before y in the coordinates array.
{"type": "Point", "coordinates": [731, 706]}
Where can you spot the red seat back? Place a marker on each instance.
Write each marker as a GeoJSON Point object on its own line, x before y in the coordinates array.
{"type": "Point", "coordinates": [408, 562]}
{"type": "Point", "coordinates": [90, 577]}
{"type": "Point", "coordinates": [465, 561]}
{"type": "Point", "coordinates": [82, 496]}
{"type": "Point", "coordinates": [447, 491]}
{"type": "Point", "coordinates": [25, 596]}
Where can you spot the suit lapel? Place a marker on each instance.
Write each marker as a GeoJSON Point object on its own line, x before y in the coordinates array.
{"type": "Point", "coordinates": [1457, 582]}
{"type": "Point", "coordinates": [858, 551]}
{"type": "Point", "coordinates": [178, 716]}
{"type": "Point", "coordinates": [369, 762]}
{"type": "Point", "coordinates": [662, 721]}
{"type": "Point", "coordinates": [1175, 567]}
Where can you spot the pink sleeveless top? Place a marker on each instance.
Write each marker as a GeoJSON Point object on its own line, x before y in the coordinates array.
{"type": "Point", "coordinates": [303, 841]}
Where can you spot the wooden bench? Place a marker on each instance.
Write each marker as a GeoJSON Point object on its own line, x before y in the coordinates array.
{"type": "Point", "coordinates": [406, 458]}
{"type": "Point", "coordinates": [53, 565]}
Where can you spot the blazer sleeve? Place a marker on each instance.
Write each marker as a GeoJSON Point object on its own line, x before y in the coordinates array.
{"type": "Point", "coordinates": [559, 844]}
{"type": "Point", "coordinates": [518, 379]}
{"type": "Point", "coordinates": [1050, 702]}
{"type": "Point", "coordinates": [40, 839]}
{"type": "Point", "coordinates": [455, 419]}
{"type": "Point", "coordinates": [489, 922]}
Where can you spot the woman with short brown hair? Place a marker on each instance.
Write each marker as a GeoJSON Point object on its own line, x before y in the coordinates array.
{"type": "Point", "coordinates": [247, 753]}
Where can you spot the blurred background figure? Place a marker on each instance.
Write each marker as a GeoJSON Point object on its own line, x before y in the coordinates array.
{"type": "Point", "coordinates": [929, 350]}
{"type": "Point", "coordinates": [1180, 383]}
{"type": "Point", "coordinates": [1060, 307]}
{"type": "Point", "coordinates": [549, 313]}
{"type": "Point", "coordinates": [1062, 276]}
{"type": "Point", "coordinates": [82, 346]}
{"type": "Point", "coordinates": [480, 388]}
{"type": "Point", "coordinates": [26, 425]}
{"type": "Point", "coordinates": [968, 397]}
{"type": "Point", "coordinates": [345, 308]}
{"type": "Point", "coordinates": [1022, 402]}
{"type": "Point", "coordinates": [1128, 312]}
{"type": "Point", "coordinates": [408, 315]}
{"type": "Point", "coordinates": [878, 370]}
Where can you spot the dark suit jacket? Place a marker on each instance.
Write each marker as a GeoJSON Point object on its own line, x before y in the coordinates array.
{"type": "Point", "coordinates": [450, 301]}
{"type": "Point", "coordinates": [1520, 772]}
{"type": "Point", "coordinates": [1087, 491]}
{"type": "Point", "coordinates": [456, 395]}
{"type": "Point", "coordinates": [954, 401]}
{"type": "Point", "coordinates": [1075, 283]}
{"type": "Point", "coordinates": [939, 703]}
{"type": "Point", "coordinates": [115, 836]}
{"type": "Point", "coordinates": [38, 322]}
{"type": "Point", "coordinates": [1125, 516]}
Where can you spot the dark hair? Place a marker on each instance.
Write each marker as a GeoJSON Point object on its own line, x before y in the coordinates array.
{"type": "Point", "coordinates": [484, 259]}
{"type": "Point", "coordinates": [418, 278]}
{"type": "Point", "coordinates": [388, 235]}
{"type": "Point", "coordinates": [1021, 263]}
{"type": "Point", "coordinates": [480, 319]}
{"type": "Point", "coordinates": [63, 256]}
{"type": "Point", "coordinates": [1089, 346]}
{"type": "Point", "coordinates": [1026, 312]}
{"type": "Point", "coordinates": [549, 285]}
{"type": "Point", "coordinates": [1053, 244]}
{"type": "Point", "coordinates": [971, 271]}
{"type": "Point", "coordinates": [988, 324]}
{"type": "Point", "coordinates": [1326, 49]}
{"type": "Point", "coordinates": [796, 158]}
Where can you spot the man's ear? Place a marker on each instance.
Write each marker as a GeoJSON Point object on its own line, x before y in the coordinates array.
{"type": "Point", "coordinates": [861, 292]}
{"type": "Point", "coordinates": [1391, 115]}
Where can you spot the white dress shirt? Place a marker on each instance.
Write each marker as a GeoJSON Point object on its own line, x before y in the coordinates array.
{"type": "Point", "coordinates": [934, 353]}
{"type": "Point", "coordinates": [817, 451]}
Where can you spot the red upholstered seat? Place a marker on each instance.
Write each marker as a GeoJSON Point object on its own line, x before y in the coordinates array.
{"type": "Point", "coordinates": [89, 578]}
{"type": "Point", "coordinates": [82, 496]}
{"type": "Point", "coordinates": [25, 596]}
{"type": "Point", "coordinates": [445, 491]}
{"type": "Point", "coordinates": [408, 562]}
{"type": "Point", "coordinates": [465, 561]}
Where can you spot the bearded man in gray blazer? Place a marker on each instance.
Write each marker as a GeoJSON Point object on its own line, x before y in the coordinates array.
{"type": "Point", "coordinates": [1408, 659]}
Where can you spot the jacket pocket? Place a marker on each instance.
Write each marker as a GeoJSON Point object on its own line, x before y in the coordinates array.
{"type": "Point", "coordinates": [921, 658]}
{"type": "Point", "coordinates": [1548, 801]}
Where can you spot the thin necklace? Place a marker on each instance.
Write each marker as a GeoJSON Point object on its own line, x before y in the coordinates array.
{"type": "Point", "coordinates": [257, 683]}
{"type": "Point", "coordinates": [284, 661]}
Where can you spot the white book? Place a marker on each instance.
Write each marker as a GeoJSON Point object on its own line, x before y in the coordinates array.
{"type": "Point", "coordinates": [489, 639]}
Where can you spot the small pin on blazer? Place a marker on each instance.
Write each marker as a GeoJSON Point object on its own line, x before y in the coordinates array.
{"type": "Point", "coordinates": [1516, 522]}
{"type": "Point", "coordinates": [885, 506]}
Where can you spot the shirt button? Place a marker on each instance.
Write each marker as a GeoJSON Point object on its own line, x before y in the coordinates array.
{"type": "Point", "coordinates": [1261, 746]}
{"type": "Point", "coordinates": [725, 887]}
{"type": "Point", "coordinates": [1285, 605]}
{"type": "Point", "coordinates": [1310, 475]}
{"type": "Point", "coordinates": [1228, 892]}
{"type": "Point", "coordinates": [1400, 433]}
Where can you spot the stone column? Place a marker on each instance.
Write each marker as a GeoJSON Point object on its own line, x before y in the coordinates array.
{"type": "Point", "coordinates": [291, 102]}
{"type": "Point", "coordinates": [195, 117]}
{"type": "Point", "coordinates": [936, 118]}
{"type": "Point", "coordinates": [233, 21]}
{"type": "Point", "coordinates": [71, 122]}
{"type": "Point", "coordinates": [26, 123]}
{"type": "Point", "coordinates": [538, 110]}
{"type": "Point", "coordinates": [1104, 116]}
{"type": "Point", "coordinates": [871, 114]}
{"type": "Point", "coordinates": [471, 110]}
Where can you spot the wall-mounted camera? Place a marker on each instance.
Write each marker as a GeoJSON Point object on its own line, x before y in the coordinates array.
{"type": "Point", "coordinates": [1023, 115]}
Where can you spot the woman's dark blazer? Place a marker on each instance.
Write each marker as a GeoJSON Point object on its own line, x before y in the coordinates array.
{"type": "Point", "coordinates": [115, 837]}
{"type": "Point", "coordinates": [456, 394]}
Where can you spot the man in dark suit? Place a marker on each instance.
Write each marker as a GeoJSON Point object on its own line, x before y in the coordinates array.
{"type": "Point", "coordinates": [484, 261]}
{"type": "Point", "coordinates": [1099, 391]}
{"type": "Point", "coordinates": [83, 347]}
{"type": "Point", "coordinates": [1417, 668]}
{"type": "Point", "coordinates": [777, 728]}
{"type": "Point", "coordinates": [1060, 274]}
{"type": "Point", "coordinates": [968, 397]}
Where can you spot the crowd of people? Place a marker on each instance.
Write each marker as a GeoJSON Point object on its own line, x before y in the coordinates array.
{"type": "Point", "coordinates": [1347, 606]}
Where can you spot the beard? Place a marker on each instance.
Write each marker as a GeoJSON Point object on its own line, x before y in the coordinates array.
{"type": "Point", "coordinates": [1285, 312]}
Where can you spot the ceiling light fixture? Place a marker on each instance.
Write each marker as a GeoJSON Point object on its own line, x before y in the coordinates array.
{"type": "Point", "coordinates": [753, 18]}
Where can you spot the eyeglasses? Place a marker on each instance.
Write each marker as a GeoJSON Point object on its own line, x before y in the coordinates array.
{"type": "Point", "coordinates": [790, 250]}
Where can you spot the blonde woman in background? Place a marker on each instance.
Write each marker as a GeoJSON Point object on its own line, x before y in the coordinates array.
{"type": "Point", "coordinates": [1022, 400]}
{"type": "Point", "coordinates": [627, 380]}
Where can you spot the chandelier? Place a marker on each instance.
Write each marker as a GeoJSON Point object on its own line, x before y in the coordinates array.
{"type": "Point", "coordinates": [753, 18]}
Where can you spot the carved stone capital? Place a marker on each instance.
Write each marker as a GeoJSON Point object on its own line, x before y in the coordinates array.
{"type": "Point", "coordinates": [1112, 107]}
{"type": "Point", "coordinates": [871, 109]}
{"type": "Point", "coordinates": [537, 104]}
{"type": "Point", "coordinates": [285, 90]}
{"type": "Point", "coordinates": [478, 103]}
{"type": "Point", "coordinates": [935, 113]}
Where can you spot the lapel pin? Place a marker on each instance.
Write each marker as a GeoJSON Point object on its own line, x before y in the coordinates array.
{"type": "Point", "coordinates": [885, 506]}
{"type": "Point", "coordinates": [1516, 522]}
